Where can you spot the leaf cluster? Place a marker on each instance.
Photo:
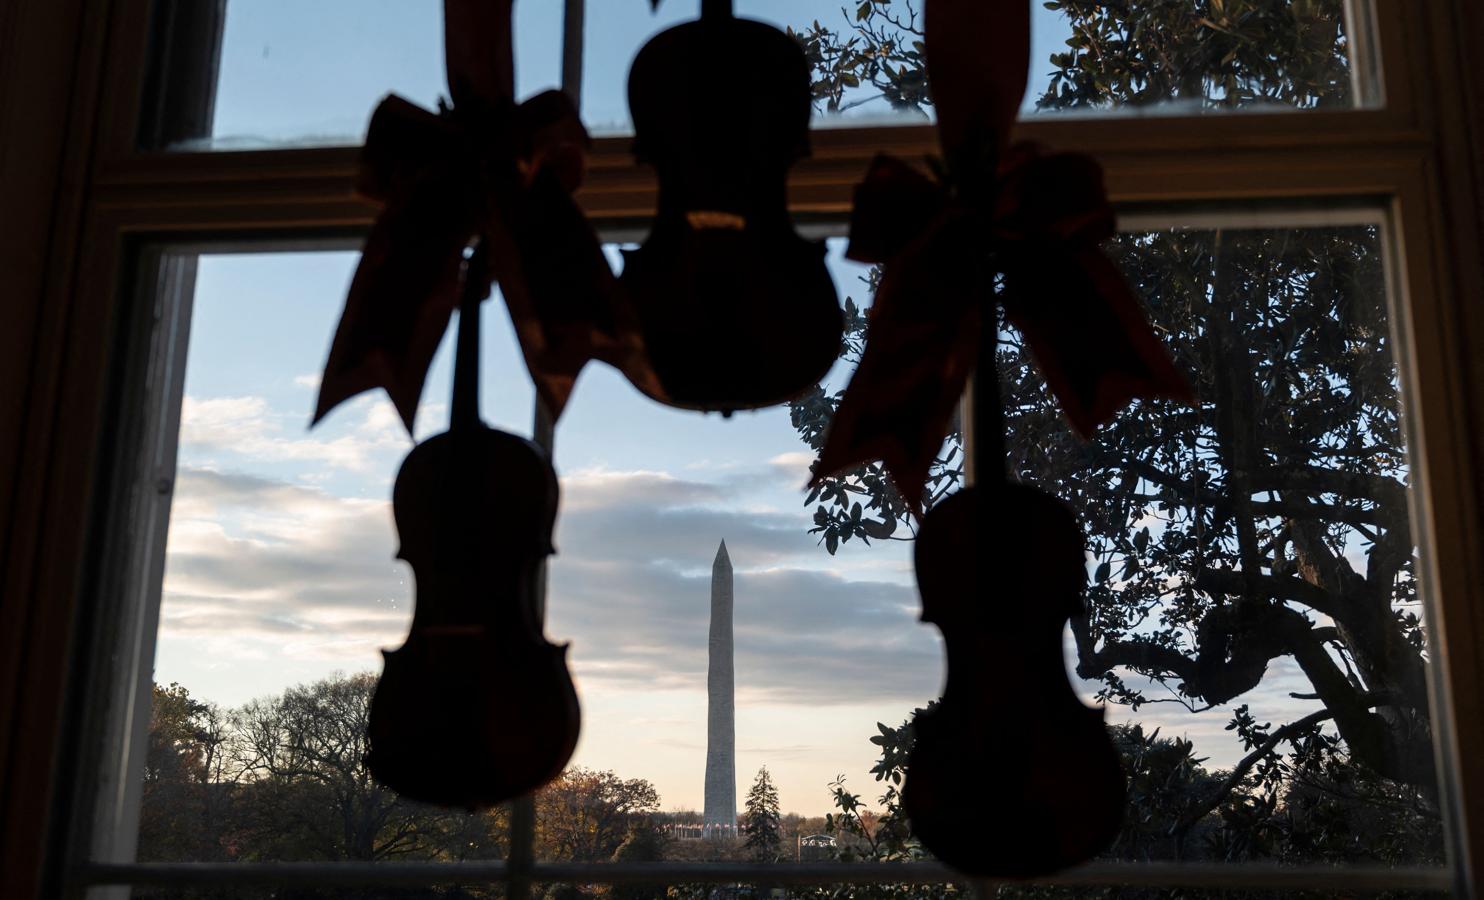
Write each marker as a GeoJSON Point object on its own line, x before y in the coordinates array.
{"type": "Point", "coordinates": [1200, 54]}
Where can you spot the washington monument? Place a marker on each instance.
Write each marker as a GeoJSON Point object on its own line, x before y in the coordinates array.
{"type": "Point", "coordinates": [721, 738]}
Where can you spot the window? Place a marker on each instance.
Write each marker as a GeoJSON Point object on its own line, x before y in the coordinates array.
{"type": "Point", "coordinates": [1358, 165]}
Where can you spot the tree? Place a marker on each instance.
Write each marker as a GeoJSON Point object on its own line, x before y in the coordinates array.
{"type": "Point", "coordinates": [187, 786]}
{"type": "Point", "coordinates": [1308, 807]}
{"type": "Point", "coordinates": [644, 842]}
{"type": "Point", "coordinates": [282, 778]}
{"type": "Point", "coordinates": [585, 815]}
{"type": "Point", "coordinates": [1269, 522]}
{"type": "Point", "coordinates": [310, 795]}
{"type": "Point", "coordinates": [760, 819]}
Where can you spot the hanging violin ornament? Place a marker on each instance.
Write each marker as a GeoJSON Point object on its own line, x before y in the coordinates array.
{"type": "Point", "coordinates": [476, 707]}
{"type": "Point", "coordinates": [1009, 773]}
{"type": "Point", "coordinates": [736, 310]}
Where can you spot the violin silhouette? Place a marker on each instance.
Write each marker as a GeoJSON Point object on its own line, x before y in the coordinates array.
{"type": "Point", "coordinates": [476, 707]}
{"type": "Point", "coordinates": [1009, 774]}
{"type": "Point", "coordinates": [737, 311]}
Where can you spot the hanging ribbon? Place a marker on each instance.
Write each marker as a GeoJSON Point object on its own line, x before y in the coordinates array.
{"type": "Point", "coordinates": [1032, 217]}
{"type": "Point", "coordinates": [485, 170]}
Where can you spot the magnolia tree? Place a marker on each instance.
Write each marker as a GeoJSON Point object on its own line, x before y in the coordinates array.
{"type": "Point", "coordinates": [1268, 524]}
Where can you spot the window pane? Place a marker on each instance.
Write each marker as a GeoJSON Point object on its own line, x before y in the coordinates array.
{"type": "Point", "coordinates": [824, 645]}
{"type": "Point", "coordinates": [1288, 720]}
{"type": "Point", "coordinates": [309, 74]}
{"type": "Point", "coordinates": [294, 74]}
{"type": "Point", "coordinates": [1260, 541]}
{"type": "Point", "coordinates": [282, 585]}
{"type": "Point", "coordinates": [1142, 56]}
{"type": "Point", "coordinates": [1193, 56]}
{"type": "Point", "coordinates": [1256, 627]}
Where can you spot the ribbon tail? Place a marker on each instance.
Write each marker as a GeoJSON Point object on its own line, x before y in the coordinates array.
{"type": "Point", "coordinates": [1088, 335]}
{"type": "Point", "coordinates": [920, 349]}
{"type": "Point", "coordinates": [403, 293]}
{"type": "Point", "coordinates": [558, 287]}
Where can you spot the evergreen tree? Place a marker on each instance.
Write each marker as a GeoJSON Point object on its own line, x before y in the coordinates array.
{"type": "Point", "coordinates": [760, 821]}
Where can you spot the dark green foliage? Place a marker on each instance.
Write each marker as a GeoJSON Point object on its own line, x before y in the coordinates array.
{"type": "Point", "coordinates": [880, 58]}
{"type": "Point", "coordinates": [1200, 53]}
{"type": "Point", "coordinates": [1310, 805]}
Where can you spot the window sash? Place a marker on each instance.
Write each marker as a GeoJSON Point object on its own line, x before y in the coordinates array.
{"type": "Point", "coordinates": [115, 845]}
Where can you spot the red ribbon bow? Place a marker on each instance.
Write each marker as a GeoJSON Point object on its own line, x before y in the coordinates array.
{"type": "Point", "coordinates": [487, 170]}
{"type": "Point", "coordinates": [1036, 218]}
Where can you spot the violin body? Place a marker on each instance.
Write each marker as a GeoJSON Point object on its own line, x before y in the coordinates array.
{"type": "Point", "coordinates": [737, 311]}
{"type": "Point", "coordinates": [477, 707]}
{"type": "Point", "coordinates": [1010, 774]}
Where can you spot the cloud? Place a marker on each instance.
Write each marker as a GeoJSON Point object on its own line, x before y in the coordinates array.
{"type": "Point", "coordinates": [263, 569]}
{"type": "Point", "coordinates": [598, 487]}
{"type": "Point", "coordinates": [290, 566]}
{"type": "Point", "coordinates": [794, 466]}
{"type": "Point", "coordinates": [258, 567]}
{"type": "Point", "coordinates": [801, 637]}
{"type": "Point", "coordinates": [246, 428]}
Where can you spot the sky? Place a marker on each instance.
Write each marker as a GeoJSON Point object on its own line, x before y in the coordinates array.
{"type": "Point", "coordinates": [281, 562]}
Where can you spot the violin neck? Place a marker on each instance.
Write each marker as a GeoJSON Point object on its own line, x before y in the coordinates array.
{"type": "Point", "coordinates": [466, 360]}
{"type": "Point", "coordinates": [988, 413]}
{"type": "Point", "coordinates": [716, 9]}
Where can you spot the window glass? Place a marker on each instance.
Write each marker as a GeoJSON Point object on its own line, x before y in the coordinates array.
{"type": "Point", "coordinates": [1143, 56]}
{"type": "Point", "coordinates": [824, 646]}
{"type": "Point", "coordinates": [282, 586]}
{"type": "Point", "coordinates": [282, 583]}
{"type": "Point", "coordinates": [294, 74]}
{"type": "Point", "coordinates": [1256, 633]}
{"type": "Point", "coordinates": [309, 74]}
{"type": "Point", "coordinates": [1194, 56]}
{"type": "Point", "coordinates": [1256, 627]}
